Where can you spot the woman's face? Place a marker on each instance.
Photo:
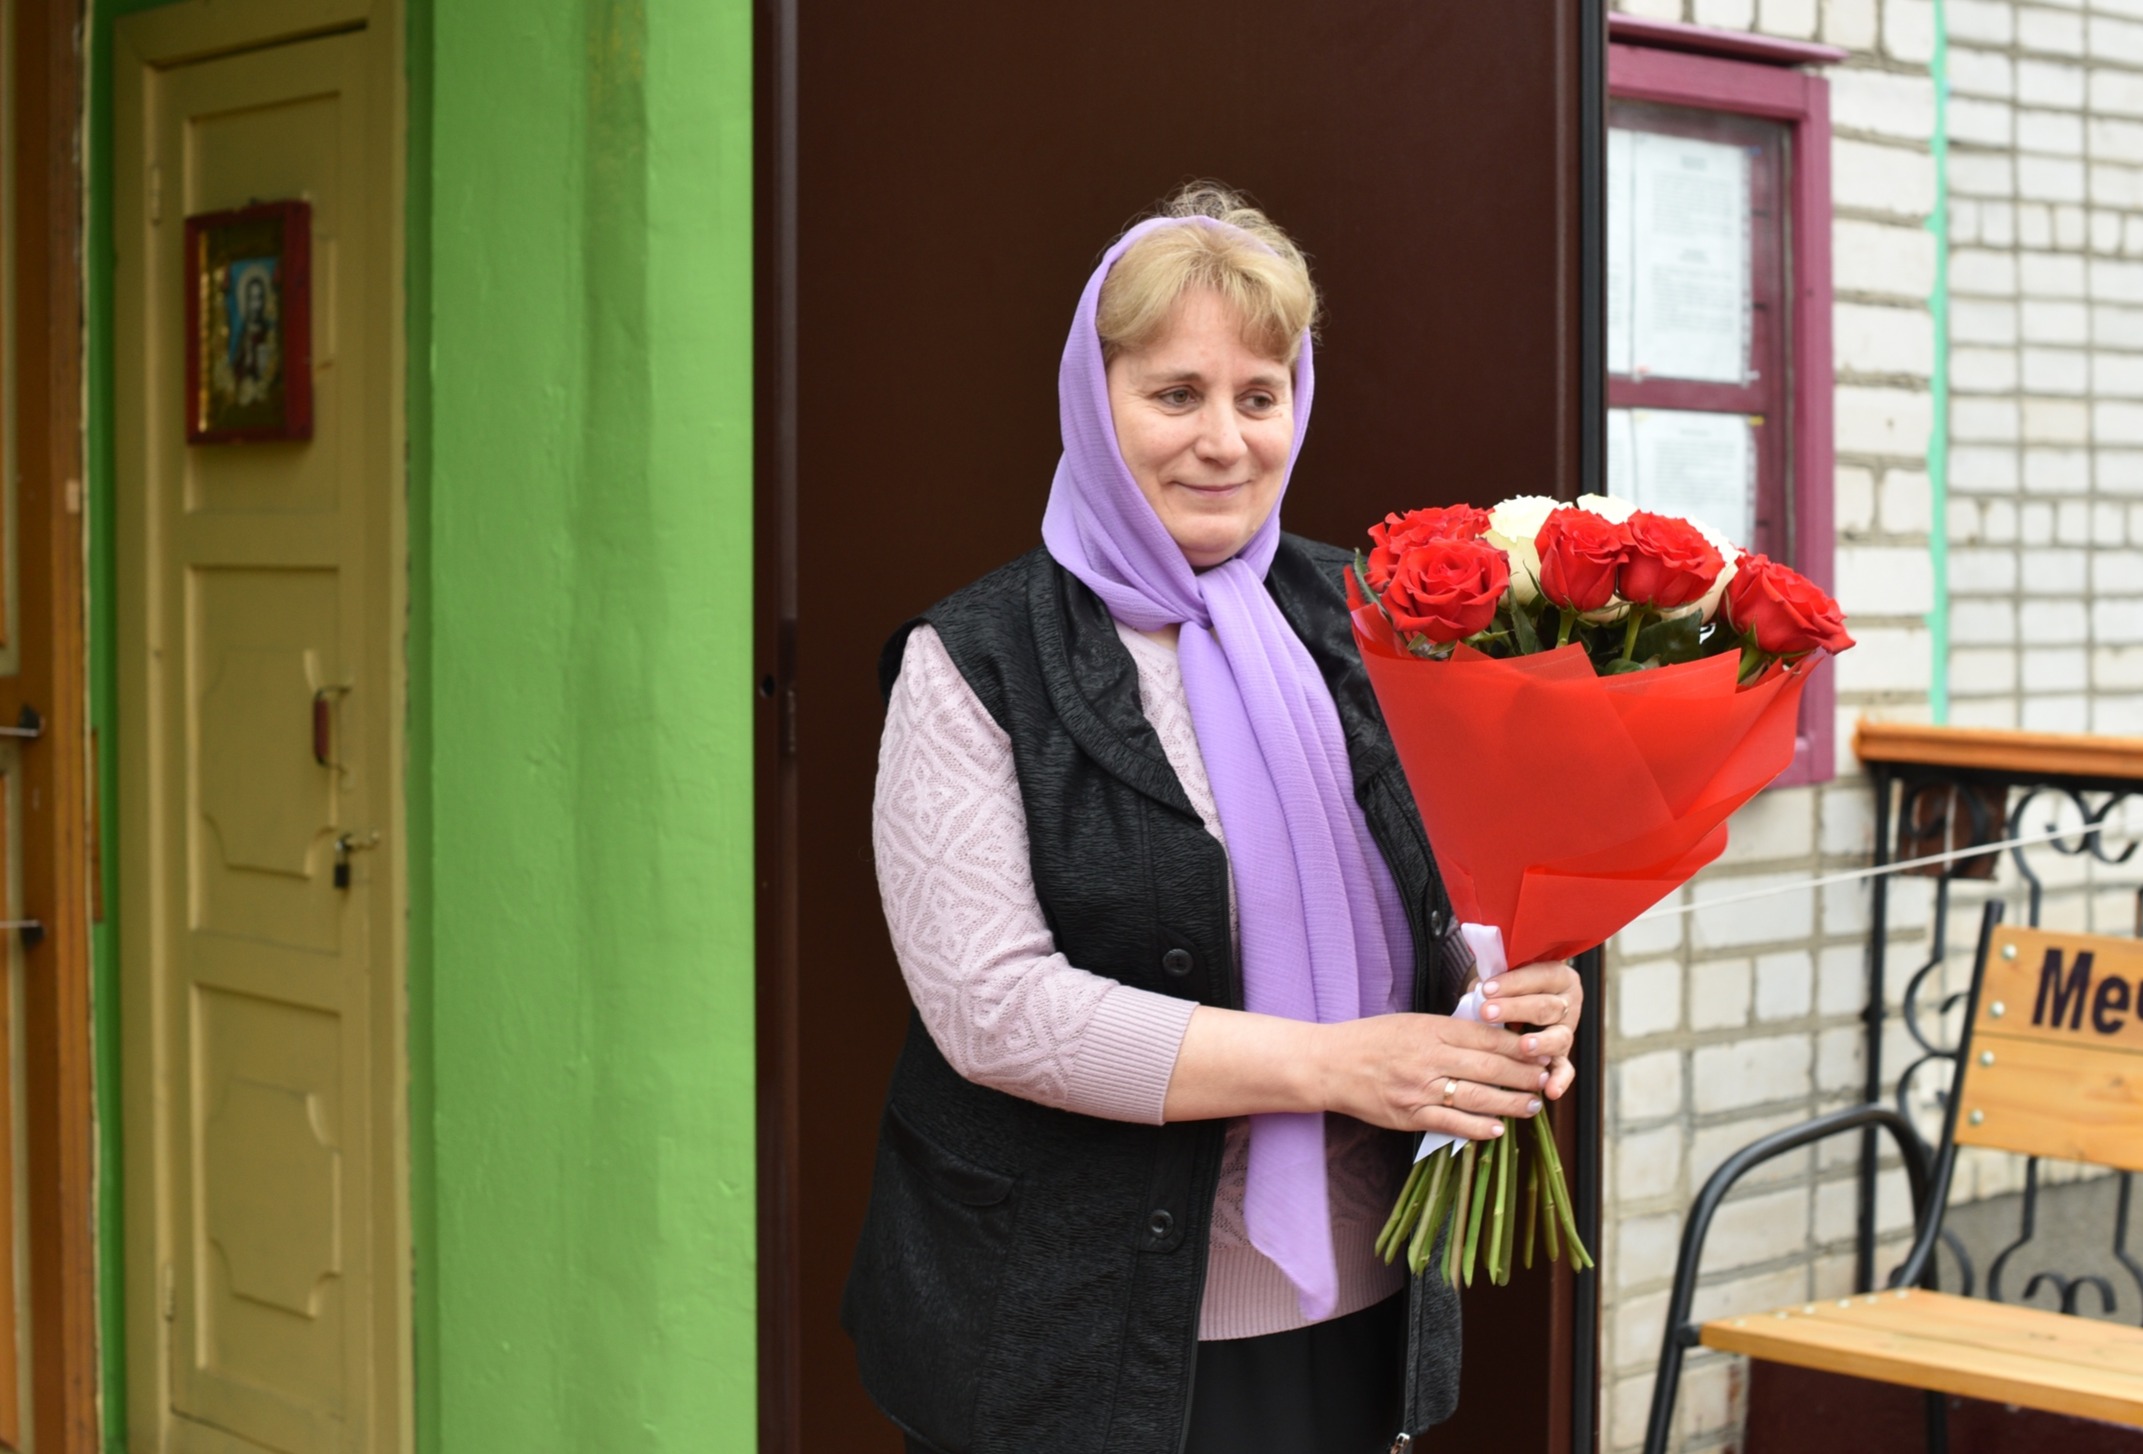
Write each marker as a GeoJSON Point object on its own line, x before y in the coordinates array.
{"type": "Point", "coordinates": [1205, 423]}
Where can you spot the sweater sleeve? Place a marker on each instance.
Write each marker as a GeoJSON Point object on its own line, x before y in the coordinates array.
{"type": "Point", "coordinates": [1006, 1009]}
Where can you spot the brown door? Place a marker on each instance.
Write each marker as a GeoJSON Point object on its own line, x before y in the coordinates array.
{"type": "Point", "coordinates": [936, 185]}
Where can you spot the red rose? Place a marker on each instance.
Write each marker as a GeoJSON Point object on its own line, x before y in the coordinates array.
{"type": "Point", "coordinates": [1670, 562]}
{"type": "Point", "coordinates": [1402, 533]}
{"type": "Point", "coordinates": [1785, 612]}
{"type": "Point", "coordinates": [1447, 589]}
{"type": "Point", "coordinates": [1580, 554]}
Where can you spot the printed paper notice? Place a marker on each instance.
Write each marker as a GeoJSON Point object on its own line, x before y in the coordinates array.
{"type": "Point", "coordinates": [1688, 259]}
{"type": "Point", "coordinates": [1621, 224]}
{"type": "Point", "coordinates": [1694, 465]}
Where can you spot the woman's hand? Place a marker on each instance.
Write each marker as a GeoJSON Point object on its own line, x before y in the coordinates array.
{"type": "Point", "coordinates": [1433, 1073]}
{"type": "Point", "coordinates": [1405, 1072]}
{"type": "Point", "coordinates": [1549, 995]}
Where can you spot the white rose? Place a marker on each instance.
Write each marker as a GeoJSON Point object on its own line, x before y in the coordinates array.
{"type": "Point", "coordinates": [1607, 507]}
{"type": "Point", "coordinates": [1512, 526]}
{"type": "Point", "coordinates": [1728, 552]}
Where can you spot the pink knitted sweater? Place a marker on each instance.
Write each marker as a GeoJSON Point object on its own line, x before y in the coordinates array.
{"type": "Point", "coordinates": [1008, 1011]}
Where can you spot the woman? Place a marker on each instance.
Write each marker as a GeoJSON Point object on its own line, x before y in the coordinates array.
{"type": "Point", "coordinates": [1180, 959]}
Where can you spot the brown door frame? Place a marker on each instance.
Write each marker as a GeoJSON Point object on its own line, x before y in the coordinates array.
{"type": "Point", "coordinates": [59, 1104]}
{"type": "Point", "coordinates": [774, 602]}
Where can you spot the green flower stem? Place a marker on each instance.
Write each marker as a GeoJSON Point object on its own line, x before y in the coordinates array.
{"type": "Point", "coordinates": [1630, 629]}
{"type": "Point", "coordinates": [1461, 1198]}
{"type": "Point", "coordinates": [1499, 1219]}
{"type": "Point", "coordinates": [1548, 1219]}
{"type": "Point", "coordinates": [1562, 632]}
{"type": "Point", "coordinates": [1507, 1251]}
{"type": "Point", "coordinates": [1408, 1205]}
{"type": "Point", "coordinates": [1532, 1208]}
{"type": "Point", "coordinates": [1423, 1181]}
{"type": "Point", "coordinates": [1436, 1212]}
{"type": "Point", "coordinates": [1550, 1179]}
{"type": "Point", "coordinates": [1568, 1213]}
{"type": "Point", "coordinates": [1483, 1165]}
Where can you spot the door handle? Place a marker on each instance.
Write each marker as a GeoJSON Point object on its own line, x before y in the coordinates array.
{"type": "Point", "coordinates": [28, 725]}
{"type": "Point", "coordinates": [324, 700]}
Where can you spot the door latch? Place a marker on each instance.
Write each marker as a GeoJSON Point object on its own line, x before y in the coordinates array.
{"type": "Point", "coordinates": [347, 844]}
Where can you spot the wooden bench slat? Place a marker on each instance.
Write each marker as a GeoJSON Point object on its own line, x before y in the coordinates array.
{"type": "Point", "coordinates": [2025, 1356]}
{"type": "Point", "coordinates": [2045, 1099]}
{"type": "Point", "coordinates": [2005, 1327]}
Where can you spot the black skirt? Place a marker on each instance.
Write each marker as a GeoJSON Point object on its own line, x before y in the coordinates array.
{"type": "Point", "coordinates": [1331, 1388]}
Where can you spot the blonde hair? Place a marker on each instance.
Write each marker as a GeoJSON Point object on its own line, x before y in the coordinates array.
{"type": "Point", "coordinates": [1255, 268]}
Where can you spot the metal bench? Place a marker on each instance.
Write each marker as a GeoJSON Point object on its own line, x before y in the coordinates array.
{"type": "Point", "coordinates": [2051, 1065]}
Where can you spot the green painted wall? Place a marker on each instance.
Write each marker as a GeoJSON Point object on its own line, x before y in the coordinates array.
{"type": "Point", "coordinates": [581, 738]}
{"type": "Point", "coordinates": [580, 1014]}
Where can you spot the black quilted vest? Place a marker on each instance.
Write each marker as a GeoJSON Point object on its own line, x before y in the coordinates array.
{"type": "Point", "coordinates": [1028, 1279]}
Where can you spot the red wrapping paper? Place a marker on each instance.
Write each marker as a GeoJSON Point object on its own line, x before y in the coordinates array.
{"type": "Point", "coordinates": [1561, 804]}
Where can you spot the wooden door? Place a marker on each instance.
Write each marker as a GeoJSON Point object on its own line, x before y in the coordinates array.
{"type": "Point", "coordinates": [260, 702]}
{"type": "Point", "coordinates": [935, 186]}
{"type": "Point", "coordinates": [48, 1349]}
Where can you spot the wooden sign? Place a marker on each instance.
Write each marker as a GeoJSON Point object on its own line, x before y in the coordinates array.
{"type": "Point", "coordinates": [2054, 1066]}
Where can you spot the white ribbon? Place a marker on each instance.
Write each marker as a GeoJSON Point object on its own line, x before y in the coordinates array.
{"type": "Point", "coordinates": [1486, 942]}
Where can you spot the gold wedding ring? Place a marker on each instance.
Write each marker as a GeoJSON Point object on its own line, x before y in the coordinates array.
{"type": "Point", "coordinates": [1450, 1091]}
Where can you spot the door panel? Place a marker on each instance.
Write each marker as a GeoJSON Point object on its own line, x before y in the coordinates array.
{"type": "Point", "coordinates": [258, 882]}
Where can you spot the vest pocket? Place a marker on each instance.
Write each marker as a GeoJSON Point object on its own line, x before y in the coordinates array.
{"type": "Point", "coordinates": [923, 1291]}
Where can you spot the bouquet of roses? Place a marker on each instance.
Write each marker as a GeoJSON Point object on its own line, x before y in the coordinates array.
{"type": "Point", "coordinates": [1580, 697]}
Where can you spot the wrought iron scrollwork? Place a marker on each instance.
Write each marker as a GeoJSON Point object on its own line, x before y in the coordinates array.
{"type": "Point", "coordinates": [1929, 804]}
{"type": "Point", "coordinates": [2089, 841]}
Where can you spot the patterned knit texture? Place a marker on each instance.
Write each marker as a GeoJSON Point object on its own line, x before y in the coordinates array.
{"type": "Point", "coordinates": [1009, 1012]}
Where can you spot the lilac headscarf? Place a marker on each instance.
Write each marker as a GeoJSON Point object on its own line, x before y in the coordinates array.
{"type": "Point", "coordinates": [1322, 931]}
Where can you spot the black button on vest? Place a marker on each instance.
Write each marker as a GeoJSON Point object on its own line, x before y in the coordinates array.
{"type": "Point", "coordinates": [1177, 962]}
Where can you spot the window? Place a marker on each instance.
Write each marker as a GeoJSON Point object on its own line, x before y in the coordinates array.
{"type": "Point", "coordinates": [1718, 277]}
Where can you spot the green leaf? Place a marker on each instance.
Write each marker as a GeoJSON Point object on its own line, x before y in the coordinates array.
{"type": "Point", "coordinates": [1670, 642]}
{"type": "Point", "coordinates": [1719, 638]}
{"type": "Point", "coordinates": [1522, 628]}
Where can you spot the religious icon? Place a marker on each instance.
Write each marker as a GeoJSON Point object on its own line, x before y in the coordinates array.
{"type": "Point", "coordinates": [249, 324]}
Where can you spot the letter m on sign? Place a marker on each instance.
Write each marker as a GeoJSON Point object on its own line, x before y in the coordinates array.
{"type": "Point", "coordinates": [2059, 996]}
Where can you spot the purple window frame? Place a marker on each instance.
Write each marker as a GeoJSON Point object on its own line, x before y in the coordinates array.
{"type": "Point", "coordinates": [1748, 75]}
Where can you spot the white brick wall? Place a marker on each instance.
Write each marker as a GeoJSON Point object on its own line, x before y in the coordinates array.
{"type": "Point", "coordinates": [1735, 1021]}
{"type": "Point", "coordinates": [2074, 372]}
